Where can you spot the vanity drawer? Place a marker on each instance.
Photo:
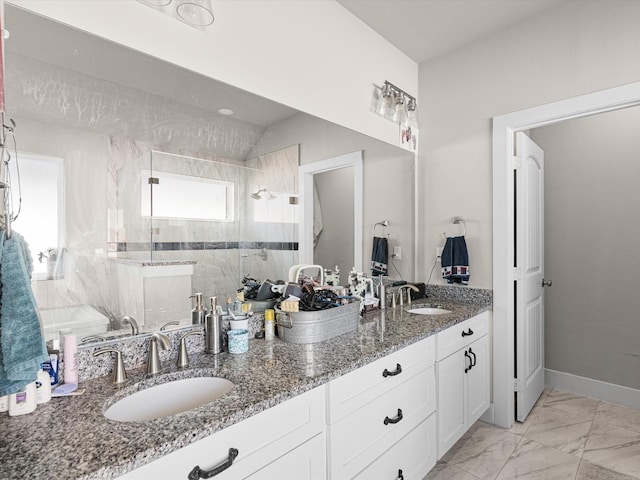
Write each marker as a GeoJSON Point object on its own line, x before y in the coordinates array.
{"type": "Point", "coordinates": [260, 440]}
{"type": "Point", "coordinates": [354, 390]}
{"type": "Point", "coordinates": [458, 336]}
{"type": "Point", "coordinates": [414, 455]}
{"type": "Point", "coordinates": [363, 436]}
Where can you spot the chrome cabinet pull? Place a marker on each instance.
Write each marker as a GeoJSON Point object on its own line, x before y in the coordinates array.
{"type": "Point", "coordinates": [198, 473]}
{"type": "Point", "coordinates": [388, 420]}
{"type": "Point", "coordinates": [397, 371]}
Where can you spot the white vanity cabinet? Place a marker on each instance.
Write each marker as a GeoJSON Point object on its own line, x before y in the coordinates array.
{"type": "Point", "coordinates": [463, 368]}
{"type": "Point", "coordinates": [286, 441]}
{"type": "Point", "coordinates": [381, 421]}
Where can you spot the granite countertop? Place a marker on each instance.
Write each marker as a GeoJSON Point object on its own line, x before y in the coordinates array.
{"type": "Point", "coordinates": [70, 438]}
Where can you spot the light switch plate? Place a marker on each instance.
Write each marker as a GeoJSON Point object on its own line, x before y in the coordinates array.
{"type": "Point", "coordinates": [397, 253]}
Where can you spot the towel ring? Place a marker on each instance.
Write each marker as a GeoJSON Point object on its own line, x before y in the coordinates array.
{"type": "Point", "coordinates": [384, 223]}
{"type": "Point", "coordinates": [456, 221]}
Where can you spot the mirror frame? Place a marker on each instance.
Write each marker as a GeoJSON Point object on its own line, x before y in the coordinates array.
{"type": "Point", "coordinates": [306, 173]}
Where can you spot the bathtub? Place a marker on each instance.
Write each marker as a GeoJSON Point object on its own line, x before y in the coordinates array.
{"type": "Point", "coordinates": [81, 320]}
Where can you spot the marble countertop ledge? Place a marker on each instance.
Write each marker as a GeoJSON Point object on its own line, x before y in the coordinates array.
{"type": "Point", "coordinates": [70, 437]}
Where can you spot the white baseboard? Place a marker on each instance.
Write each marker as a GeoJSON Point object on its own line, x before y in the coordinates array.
{"type": "Point", "coordinates": [592, 388]}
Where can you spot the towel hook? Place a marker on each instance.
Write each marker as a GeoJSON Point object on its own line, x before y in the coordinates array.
{"type": "Point", "coordinates": [384, 223]}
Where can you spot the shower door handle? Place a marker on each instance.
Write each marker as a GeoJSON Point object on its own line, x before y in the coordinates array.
{"type": "Point", "coordinates": [546, 283]}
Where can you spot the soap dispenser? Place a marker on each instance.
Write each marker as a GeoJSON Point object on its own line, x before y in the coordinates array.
{"type": "Point", "coordinates": [213, 337]}
{"type": "Point", "coordinates": [199, 312]}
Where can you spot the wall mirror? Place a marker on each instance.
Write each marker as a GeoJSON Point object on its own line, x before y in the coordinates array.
{"type": "Point", "coordinates": [163, 194]}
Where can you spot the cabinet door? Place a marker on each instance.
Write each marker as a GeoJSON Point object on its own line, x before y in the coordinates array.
{"type": "Point", "coordinates": [451, 411]}
{"type": "Point", "coordinates": [478, 379]}
{"type": "Point", "coordinates": [414, 456]}
{"type": "Point", "coordinates": [306, 462]}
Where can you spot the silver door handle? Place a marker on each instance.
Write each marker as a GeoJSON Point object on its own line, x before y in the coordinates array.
{"type": "Point", "coordinates": [546, 283]}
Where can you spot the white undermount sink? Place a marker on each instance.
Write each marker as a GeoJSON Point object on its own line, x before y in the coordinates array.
{"type": "Point", "coordinates": [428, 311]}
{"type": "Point", "coordinates": [168, 399]}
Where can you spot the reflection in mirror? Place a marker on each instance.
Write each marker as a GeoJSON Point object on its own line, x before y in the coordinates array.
{"type": "Point", "coordinates": [117, 118]}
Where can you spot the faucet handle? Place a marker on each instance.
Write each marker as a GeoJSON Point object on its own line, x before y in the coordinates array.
{"type": "Point", "coordinates": [183, 356]}
{"type": "Point", "coordinates": [118, 375]}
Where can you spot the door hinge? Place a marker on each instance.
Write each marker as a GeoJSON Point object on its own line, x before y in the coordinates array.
{"type": "Point", "coordinates": [517, 273]}
{"type": "Point", "coordinates": [516, 162]}
{"type": "Point", "coordinates": [517, 386]}
{"type": "Point", "coordinates": [153, 181]}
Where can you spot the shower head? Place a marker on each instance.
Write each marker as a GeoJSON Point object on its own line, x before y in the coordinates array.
{"type": "Point", "coordinates": [256, 195]}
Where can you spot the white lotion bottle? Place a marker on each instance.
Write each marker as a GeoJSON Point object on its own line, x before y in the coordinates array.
{"type": "Point", "coordinates": [23, 402]}
{"type": "Point", "coordinates": [43, 387]}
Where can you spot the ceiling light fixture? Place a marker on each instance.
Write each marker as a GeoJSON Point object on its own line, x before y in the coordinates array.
{"type": "Point", "coordinates": [197, 13]}
{"type": "Point", "coordinates": [226, 111]}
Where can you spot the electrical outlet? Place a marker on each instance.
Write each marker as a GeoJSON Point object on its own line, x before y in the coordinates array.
{"type": "Point", "coordinates": [438, 252]}
{"type": "Point", "coordinates": [397, 253]}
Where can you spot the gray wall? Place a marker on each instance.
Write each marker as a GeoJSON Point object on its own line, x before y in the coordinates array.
{"type": "Point", "coordinates": [592, 246]}
{"type": "Point", "coordinates": [577, 48]}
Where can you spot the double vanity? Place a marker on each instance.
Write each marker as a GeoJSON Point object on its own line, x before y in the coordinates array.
{"type": "Point", "coordinates": [385, 401]}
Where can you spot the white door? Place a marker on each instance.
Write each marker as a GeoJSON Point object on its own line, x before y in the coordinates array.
{"type": "Point", "coordinates": [529, 321]}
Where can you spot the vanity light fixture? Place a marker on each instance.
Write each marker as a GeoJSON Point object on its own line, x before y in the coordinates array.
{"type": "Point", "coordinates": [398, 106]}
{"type": "Point", "coordinates": [197, 13]}
{"type": "Point", "coordinates": [393, 103]}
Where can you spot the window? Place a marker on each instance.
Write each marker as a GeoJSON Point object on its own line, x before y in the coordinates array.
{"type": "Point", "coordinates": [41, 217]}
{"type": "Point", "coordinates": [186, 197]}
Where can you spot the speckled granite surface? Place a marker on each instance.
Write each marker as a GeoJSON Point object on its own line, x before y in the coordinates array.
{"type": "Point", "coordinates": [70, 438]}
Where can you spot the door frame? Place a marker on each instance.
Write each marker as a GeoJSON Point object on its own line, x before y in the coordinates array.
{"type": "Point", "coordinates": [305, 185]}
{"type": "Point", "coordinates": [502, 411]}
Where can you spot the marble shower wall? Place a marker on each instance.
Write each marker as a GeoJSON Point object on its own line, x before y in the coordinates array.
{"type": "Point", "coordinates": [260, 240]}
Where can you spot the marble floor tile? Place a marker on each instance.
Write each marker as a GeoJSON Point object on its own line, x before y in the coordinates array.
{"type": "Point", "coordinates": [485, 452]}
{"type": "Point", "coordinates": [589, 471]}
{"type": "Point", "coordinates": [620, 415]}
{"type": "Point", "coordinates": [444, 471]}
{"type": "Point", "coordinates": [520, 427]}
{"type": "Point", "coordinates": [571, 402]}
{"type": "Point", "coordinates": [613, 447]}
{"type": "Point", "coordinates": [534, 461]}
{"type": "Point", "coordinates": [565, 437]}
{"type": "Point", "coordinates": [559, 429]}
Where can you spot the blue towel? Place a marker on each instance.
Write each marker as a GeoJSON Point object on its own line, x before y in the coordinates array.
{"type": "Point", "coordinates": [455, 261]}
{"type": "Point", "coordinates": [22, 347]}
{"type": "Point", "coordinates": [380, 256]}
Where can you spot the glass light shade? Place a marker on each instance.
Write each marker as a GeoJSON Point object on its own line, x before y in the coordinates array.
{"type": "Point", "coordinates": [156, 3]}
{"type": "Point", "coordinates": [385, 103]}
{"type": "Point", "coordinates": [412, 113]}
{"type": "Point", "coordinates": [195, 12]}
{"type": "Point", "coordinates": [400, 112]}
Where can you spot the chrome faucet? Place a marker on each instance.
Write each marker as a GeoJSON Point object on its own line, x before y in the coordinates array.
{"type": "Point", "coordinates": [168, 324]}
{"type": "Point", "coordinates": [127, 319]}
{"type": "Point", "coordinates": [153, 359]}
{"type": "Point", "coordinates": [407, 287]}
